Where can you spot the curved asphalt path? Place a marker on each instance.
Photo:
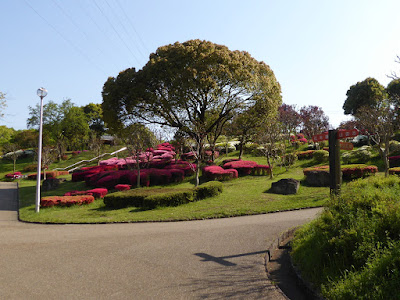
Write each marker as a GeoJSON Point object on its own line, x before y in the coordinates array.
{"type": "Point", "coordinates": [211, 259]}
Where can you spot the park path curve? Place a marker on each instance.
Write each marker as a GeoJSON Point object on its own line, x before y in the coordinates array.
{"type": "Point", "coordinates": [209, 259]}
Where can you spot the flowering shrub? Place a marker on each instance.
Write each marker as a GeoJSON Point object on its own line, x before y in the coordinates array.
{"type": "Point", "coordinates": [349, 172]}
{"type": "Point", "coordinates": [305, 154]}
{"type": "Point", "coordinates": [123, 187]}
{"type": "Point", "coordinates": [96, 193]}
{"type": "Point", "coordinates": [242, 166]}
{"type": "Point", "coordinates": [394, 171]}
{"type": "Point", "coordinates": [261, 170]}
{"type": "Point", "coordinates": [80, 175]}
{"type": "Point", "coordinates": [218, 173]}
{"type": "Point", "coordinates": [230, 160]}
{"type": "Point", "coordinates": [14, 175]}
{"type": "Point", "coordinates": [75, 153]}
{"type": "Point", "coordinates": [65, 200]}
{"type": "Point", "coordinates": [303, 140]}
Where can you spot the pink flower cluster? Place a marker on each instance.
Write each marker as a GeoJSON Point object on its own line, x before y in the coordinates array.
{"type": "Point", "coordinates": [65, 200]}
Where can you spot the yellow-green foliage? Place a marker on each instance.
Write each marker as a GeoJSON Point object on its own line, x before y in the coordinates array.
{"type": "Point", "coordinates": [355, 243]}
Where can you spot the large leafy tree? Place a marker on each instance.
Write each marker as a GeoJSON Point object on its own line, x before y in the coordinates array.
{"type": "Point", "coordinates": [53, 115]}
{"type": "Point", "coordinates": [137, 139]}
{"type": "Point", "coordinates": [193, 87]}
{"type": "Point", "coordinates": [393, 90]}
{"type": "Point", "coordinates": [75, 128]}
{"type": "Point", "coordinates": [313, 120]}
{"type": "Point", "coordinates": [289, 118]}
{"type": "Point", "coordinates": [94, 114]}
{"type": "Point", "coordinates": [365, 93]}
{"type": "Point", "coordinates": [247, 125]}
{"type": "Point", "coordinates": [380, 122]}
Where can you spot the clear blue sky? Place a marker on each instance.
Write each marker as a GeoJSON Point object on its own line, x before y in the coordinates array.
{"type": "Point", "coordinates": [317, 49]}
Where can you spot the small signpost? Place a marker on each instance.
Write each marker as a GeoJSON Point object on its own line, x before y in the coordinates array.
{"type": "Point", "coordinates": [333, 137]}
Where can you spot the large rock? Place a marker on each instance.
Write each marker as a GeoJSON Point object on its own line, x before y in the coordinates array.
{"type": "Point", "coordinates": [318, 178]}
{"type": "Point", "coordinates": [287, 186]}
{"type": "Point", "coordinates": [51, 183]}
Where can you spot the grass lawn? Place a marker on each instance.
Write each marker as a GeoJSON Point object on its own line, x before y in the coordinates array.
{"type": "Point", "coordinates": [243, 196]}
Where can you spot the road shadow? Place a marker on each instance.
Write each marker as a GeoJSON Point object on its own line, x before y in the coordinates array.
{"type": "Point", "coordinates": [8, 196]}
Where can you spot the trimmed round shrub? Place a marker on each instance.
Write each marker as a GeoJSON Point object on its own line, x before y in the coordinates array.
{"type": "Point", "coordinates": [123, 187]}
{"type": "Point", "coordinates": [320, 156]}
{"type": "Point", "coordinates": [208, 189]}
{"type": "Point", "coordinates": [305, 154]}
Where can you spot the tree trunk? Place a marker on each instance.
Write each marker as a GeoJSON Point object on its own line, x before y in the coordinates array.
{"type": "Point", "coordinates": [138, 176]}
{"type": "Point", "coordinates": [271, 175]}
{"type": "Point", "coordinates": [240, 150]}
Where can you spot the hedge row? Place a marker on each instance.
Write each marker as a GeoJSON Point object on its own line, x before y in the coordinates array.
{"type": "Point", "coordinates": [151, 198]}
{"type": "Point", "coordinates": [65, 200]}
{"type": "Point", "coordinates": [305, 154]}
{"type": "Point", "coordinates": [349, 172]}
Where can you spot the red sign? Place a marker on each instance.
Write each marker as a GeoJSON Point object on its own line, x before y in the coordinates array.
{"type": "Point", "coordinates": [342, 134]}
{"type": "Point", "coordinates": [346, 146]}
{"type": "Point", "coordinates": [320, 137]}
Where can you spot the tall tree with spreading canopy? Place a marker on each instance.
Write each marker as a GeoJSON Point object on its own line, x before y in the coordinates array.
{"type": "Point", "coordinates": [289, 118]}
{"type": "Point", "coordinates": [380, 122]}
{"type": "Point", "coordinates": [365, 93]}
{"type": "Point", "coordinates": [193, 87]}
{"type": "Point", "coordinates": [313, 120]}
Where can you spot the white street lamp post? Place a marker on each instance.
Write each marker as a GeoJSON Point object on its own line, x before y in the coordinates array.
{"type": "Point", "coordinates": [42, 92]}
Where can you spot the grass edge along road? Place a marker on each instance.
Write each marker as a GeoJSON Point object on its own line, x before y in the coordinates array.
{"type": "Point", "coordinates": [243, 196]}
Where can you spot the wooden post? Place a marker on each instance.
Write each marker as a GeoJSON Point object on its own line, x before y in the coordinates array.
{"type": "Point", "coordinates": [334, 163]}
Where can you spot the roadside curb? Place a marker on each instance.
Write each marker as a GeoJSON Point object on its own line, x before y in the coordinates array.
{"type": "Point", "coordinates": [283, 243]}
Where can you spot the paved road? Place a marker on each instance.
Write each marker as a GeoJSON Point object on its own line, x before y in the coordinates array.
{"type": "Point", "coordinates": [212, 259]}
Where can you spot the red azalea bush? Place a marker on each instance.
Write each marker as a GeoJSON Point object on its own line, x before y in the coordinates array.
{"type": "Point", "coordinates": [81, 174]}
{"type": "Point", "coordinates": [242, 166]}
{"type": "Point", "coordinates": [123, 187]}
{"type": "Point", "coordinates": [261, 170]}
{"type": "Point", "coordinates": [305, 154]}
{"type": "Point", "coordinates": [303, 140]}
{"type": "Point", "coordinates": [349, 172]}
{"type": "Point", "coordinates": [96, 193]}
{"type": "Point", "coordinates": [65, 200]}
{"type": "Point", "coordinates": [217, 173]}
{"type": "Point", "coordinates": [14, 175]}
{"type": "Point", "coordinates": [230, 160]}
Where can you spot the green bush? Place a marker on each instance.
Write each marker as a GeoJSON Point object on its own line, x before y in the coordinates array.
{"type": "Point", "coordinates": [208, 189]}
{"type": "Point", "coordinates": [352, 251]}
{"type": "Point", "coordinates": [320, 156]}
{"type": "Point", "coordinates": [250, 147]}
{"type": "Point", "coordinates": [173, 198]}
{"type": "Point", "coordinates": [153, 197]}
